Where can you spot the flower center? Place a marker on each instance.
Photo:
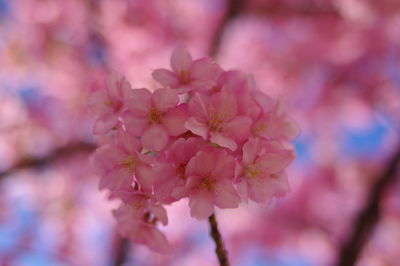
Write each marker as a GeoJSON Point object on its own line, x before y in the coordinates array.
{"type": "Point", "coordinates": [251, 171]}
{"type": "Point", "coordinates": [155, 115]}
{"type": "Point", "coordinates": [130, 162]}
{"type": "Point", "coordinates": [215, 123]}
{"type": "Point", "coordinates": [185, 77]}
{"type": "Point", "coordinates": [181, 170]}
{"type": "Point", "coordinates": [206, 183]}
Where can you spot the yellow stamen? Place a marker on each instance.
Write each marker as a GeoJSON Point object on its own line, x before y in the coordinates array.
{"type": "Point", "coordinates": [251, 171]}
{"type": "Point", "coordinates": [185, 77]}
{"type": "Point", "coordinates": [130, 162]}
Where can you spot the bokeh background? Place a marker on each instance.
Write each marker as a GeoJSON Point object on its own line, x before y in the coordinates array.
{"type": "Point", "coordinates": [335, 63]}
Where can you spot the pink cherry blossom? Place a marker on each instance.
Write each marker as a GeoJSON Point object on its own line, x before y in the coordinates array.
{"type": "Point", "coordinates": [108, 103]}
{"type": "Point", "coordinates": [216, 118]}
{"type": "Point", "coordinates": [275, 124]}
{"type": "Point", "coordinates": [121, 163]}
{"type": "Point", "coordinates": [134, 223]}
{"type": "Point", "coordinates": [222, 142]}
{"type": "Point", "coordinates": [261, 170]}
{"type": "Point", "coordinates": [188, 74]}
{"type": "Point", "coordinates": [170, 172]}
{"type": "Point", "coordinates": [155, 117]}
{"type": "Point", "coordinates": [209, 182]}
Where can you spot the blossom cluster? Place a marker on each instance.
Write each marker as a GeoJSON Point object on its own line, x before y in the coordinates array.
{"type": "Point", "coordinates": [208, 135]}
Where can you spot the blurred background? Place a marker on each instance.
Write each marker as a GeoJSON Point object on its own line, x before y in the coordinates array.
{"type": "Point", "coordinates": [335, 63]}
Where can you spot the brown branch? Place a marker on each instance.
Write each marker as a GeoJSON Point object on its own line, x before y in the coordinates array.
{"type": "Point", "coordinates": [121, 249]}
{"type": "Point", "coordinates": [59, 153]}
{"type": "Point", "coordinates": [233, 9]}
{"type": "Point", "coordinates": [219, 243]}
{"type": "Point", "coordinates": [369, 216]}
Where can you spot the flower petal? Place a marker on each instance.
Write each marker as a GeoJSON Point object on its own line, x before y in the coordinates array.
{"type": "Point", "coordinates": [166, 78]}
{"type": "Point", "coordinates": [223, 141]}
{"type": "Point", "coordinates": [159, 212]}
{"type": "Point", "coordinates": [97, 102]}
{"type": "Point", "coordinates": [275, 162]}
{"type": "Point", "coordinates": [105, 123]}
{"type": "Point", "coordinates": [154, 138]}
{"type": "Point", "coordinates": [127, 142]}
{"type": "Point", "coordinates": [117, 179]}
{"type": "Point", "coordinates": [139, 101]}
{"type": "Point", "coordinates": [135, 125]}
{"type": "Point", "coordinates": [205, 69]}
{"type": "Point", "coordinates": [144, 177]}
{"type": "Point", "coordinates": [250, 150]}
{"type": "Point", "coordinates": [174, 120]}
{"type": "Point", "coordinates": [164, 99]}
{"type": "Point", "coordinates": [225, 195]}
{"type": "Point", "coordinates": [181, 60]}
{"type": "Point", "coordinates": [200, 204]}
{"type": "Point", "coordinates": [197, 127]}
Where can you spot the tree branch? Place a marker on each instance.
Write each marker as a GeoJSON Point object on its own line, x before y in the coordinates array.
{"type": "Point", "coordinates": [219, 243]}
{"type": "Point", "coordinates": [59, 153]}
{"type": "Point", "coordinates": [233, 9]}
{"type": "Point", "coordinates": [121, 249]}
{"type": "Point", "coordinates": [369, 216]}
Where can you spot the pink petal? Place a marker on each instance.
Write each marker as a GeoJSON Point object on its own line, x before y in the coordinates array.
{"type": "Point", "coordinates": [250, 150]}
{"type": "Point", "coordinates": [184, 191]}
{"type": "Point", "coordinates": [200, 204]}
{"type": "Point", "coordinates": [198, 107]}
{"type": "Point", "coordinates": [182, 150]}
{"type": "Point", "coordinates": [164, 99]}
{"type": "Point", "coordinates": [166, 78]}
{"type": "Point", "coordinates": [238, 128]}
{"type": "Point", "coordinates": [117, 179]}
{"type": "Point", "coordinates": [259, 190]}
{"type": "Point", "coordinates": [225, 104]}
{"type": "Point", "coordinates": [97, 102]}
{"type": "Point", "coordinates": [112, 81]}
{"type": "Point", "coordinates": [275, 161]}
{"type": "Point", "coordinates": [159, 212]}
{"type": "Point", "coordinates": [181, 60]}
{"type": "Point", "coordinates": [135, 125]}
{"type": "Point", "coordinates": [157, 241]}
{"type": "Point", "coordinates": [145, 178]}
{"type": "Point", "coordinates": [280, 184]}
{"type": "Point", "coordinates": [165, 181]}
{"type": "Point", "coordinates": [205, 69]}
{"type": "Point", "coordinates": [154, 137]}
{"type": "Point", "coordinates": [202, 164]}
{"type": "Point", "coordinates": [241, 188]}
{"type": "Point", "coordinates": [223, 141]}
{"type": "Point", "coordinates": [105, 123]}
{"type": "Point", "coordinates": [290, 128]}
{"type": "Point", "coordinates": [139, 102]}
{"type": "Point", "coordinates": [127, 142]}
{"type": "Point", "coordinates": [225, 166]}
{"type": "Point", "coordinates": [197, 127]}
{"type": "Point", "coordinates": [174, 120]}
{"type": "Point", "coordinates": [225, 195]}
{"type": "Point", "coordinates": [106, 157]}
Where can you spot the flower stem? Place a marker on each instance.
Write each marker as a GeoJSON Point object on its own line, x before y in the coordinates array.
{"type": "Point", "coordinates": [220, 250]}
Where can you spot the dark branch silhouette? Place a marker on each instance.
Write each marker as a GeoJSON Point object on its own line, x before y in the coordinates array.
{"type": "Point", "coordinates": [219, 243]}
{"type": "Point", "coordinates": [121, 250]}
{"type": "Point", "coordinates": [57, 154]}
{"type": "Point", "coordinates": [233, 9]}
{"type": "Point", "coordinates": [369, 216]}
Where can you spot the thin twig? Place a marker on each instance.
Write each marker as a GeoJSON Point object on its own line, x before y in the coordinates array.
{"type": "Point", "coordinates": [369, 216]}
{"type": "Point", "coordinates": [219, 243]}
